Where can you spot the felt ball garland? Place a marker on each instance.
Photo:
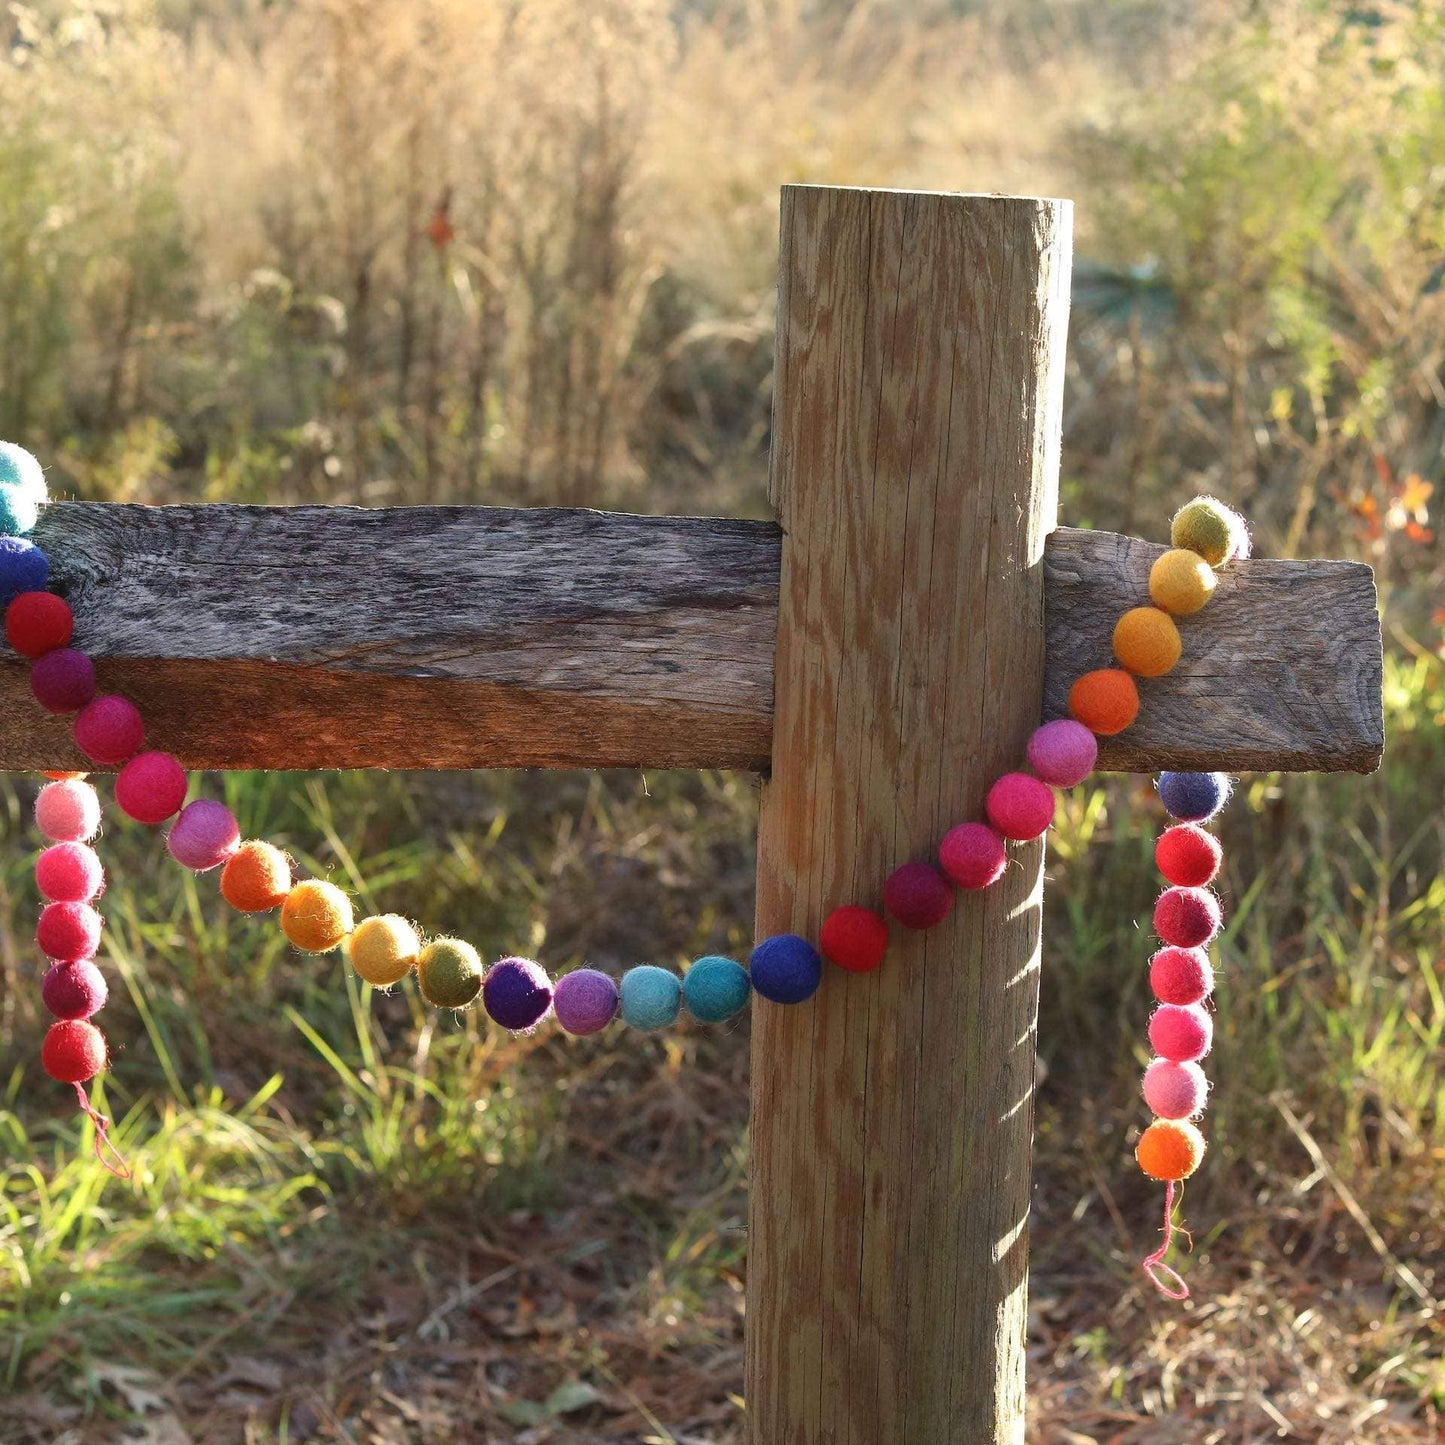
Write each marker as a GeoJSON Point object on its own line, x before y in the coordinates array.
{"type": "Point", "coordinates": [517, 993]}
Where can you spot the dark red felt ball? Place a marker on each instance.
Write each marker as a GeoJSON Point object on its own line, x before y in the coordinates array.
{"type": "Point", "coordinates": [917, 895]}
{"type": "Point", "coordinates": [74, 1051]}
{"type": "Point", "coordinates": [1188, 856]}
{"type": "Point", "coordinates": [63, 680]}
{"type": "Point", "coordinates": [1186, 917]}
{"type": "Point", "coordinates": [37, 623]}
{"type": "Point", "coordinates": [68, 931]}
{"type": "Point", "coordinates": [74, 990]}
{"type": "Point", "coordinates": [854, 938]}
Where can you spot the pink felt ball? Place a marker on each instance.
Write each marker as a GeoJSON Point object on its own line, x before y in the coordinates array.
{"type": "Point", "coordinates": [1175, 1091]}
{"type": "Point", "coordinates": [1063, 753]}
{"type": "Point", "coordinates": [1181, 975]}
{"type": "Point", "coordinates": [69, 873]}
{"type": "Point", "coordinates": [204, 836]}
{"type": "Point", "coordinates": [68, 811]}
{"type": "Point", "coordinates": [63, 680]}
{"type": "Point", "coordinates": [972, 855]}
{"type": "Point", "coordinates": [151, 787]}
{"type": "Point", "coordinates": [1182, 1034]}
{"type": "Point", "coordinates": [917, 895]}
{"type": "Point", "coordinates": [68, 931]}
{"type": "Point", "coordinates": [1020, 807]}
{"type": "Point", "coordinates": [74, 990]}
{"type": "Point", "coordinates": [109, 730]}
{"type": "Point", "coordinates": [1186, 917]}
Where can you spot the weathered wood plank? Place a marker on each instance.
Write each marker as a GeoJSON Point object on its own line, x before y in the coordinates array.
{"type": "Point", "coordinates": [261, 637]}
{"type": "Point", "coordinates": [1282, 670]}
{"type": "Point", "coordinates": [265, 637]}
{"type": "Point", "coordinates": [915, 466]}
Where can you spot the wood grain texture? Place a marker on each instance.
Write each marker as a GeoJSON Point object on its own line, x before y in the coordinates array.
{"type": "Point", "coordinates": [1282, 670]}
{"type": "Point", "coordinates": [915, 463]}
{"type": "Point", "coordinates": [460, 637]}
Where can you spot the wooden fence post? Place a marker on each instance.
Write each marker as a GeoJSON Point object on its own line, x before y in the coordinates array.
{"type": "Point", "coordinates": [920, 365]}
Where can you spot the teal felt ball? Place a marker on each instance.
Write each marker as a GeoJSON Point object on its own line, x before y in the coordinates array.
{"type": "Point", "coordinates": [18, 468]}
{"type": "Point", "coordinates": [651, 997]}
{"type": "Point", "coordinates": [19, 510]}
{"type": "Point", "coordinates": [715, 989]}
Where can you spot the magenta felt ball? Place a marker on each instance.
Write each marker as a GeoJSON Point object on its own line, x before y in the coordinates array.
{"type": "Point", "coordinates": [1188, 856]}
{"type": "Point", "coordinates": [151, 787]}
{"type": "Point", "coordinates": [1181, 1034]}
{"type": "Point", "coordinates": [109, 730]}
{"type": "Point", "coordinates": [204, 836]}
{"type": "Point", "coordinates": [68, 931]}
{"type": "Point", "coordinates": [1186, 917]}
{"type": "Point", "coordinates": [585, 1001]}
{"type": "Point", "coordinates": [74, 990]}
{"type": "Point", "coordinates": [69, 873]}
{"type": "Point", "coordinates": [917, 895]}
{"type": "Point", "coordinates": [1063, 753]}
{"type": "Point", "coordinates": [1181, 975]}
{"type": "Point", "coordinates": [1020, 807]}
{"type": "Point", "coordinates": [1175, 1091]}
{"type": "Point", "coordinates": [68, 811]}
{"type": "Point", "coordinates": [63, 680]}
{"type": "Point", "coordinates": [972, 855]}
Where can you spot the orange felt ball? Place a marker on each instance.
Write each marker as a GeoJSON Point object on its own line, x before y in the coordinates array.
{"type": "Point", "coordinates": [1106, 701]}
{"type": "Point", "coordinates": [316, 916]}
{"type": "Point", "coordinates": [1170, 1149]}
{"type": "Point", "coordinates": [256, 878]}
{"type": "Point", "coordinates": [1147, 642]}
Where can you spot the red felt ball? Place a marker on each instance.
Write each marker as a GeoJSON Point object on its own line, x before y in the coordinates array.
{"type": "Point", "coordinates": [74, 1051]}
{"type": "Point", "coordinates": [69, 873]}
{"type": "Point", "coordinates": [1186, 917]}
{"type": "Point", "coordinates": [74, 990]}
{"type": "Point", "coordinates": [854, 938]}
{"type": "Point", "coordinates": [917, 895]}
{"type": "Point", "coordinates": [1188, 856]}
{"type": "Point", "coordinates": [1020, 807]}
{"type": "Point", "coordinates": [63, 680]}
{"type": "Point", "coordinates": [68, 931]}
{"type": "Point", "coordinates": [1181, 975]}
{"type": "Point", "coordinates": [37, 623]}
{"type": "Point", "coordinates": [109, 730]}
{"type": "Point", "coordinates": [151, 787]}
{"type": "Point", "coordinates": [972, 855]}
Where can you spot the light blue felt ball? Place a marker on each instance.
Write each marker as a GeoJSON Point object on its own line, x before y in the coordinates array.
{"type": "Point", "coordinates": [19, 510]}
{"type": "Point", "coordinates": [18, 468]}
{"type": "Point", "coordinates": [715, 988]}
{"type": "Point", "coordinates": [651, 997]}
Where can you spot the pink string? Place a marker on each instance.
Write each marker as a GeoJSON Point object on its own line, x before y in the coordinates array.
{"type": "Point", "coordinates": [104, 1144]}
{"type": "Point", "coordinates": [1163, 1277]}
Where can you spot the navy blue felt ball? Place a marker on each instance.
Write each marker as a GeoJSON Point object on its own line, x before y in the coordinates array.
{"type": "Point", "coordinates": [1193, 797]}
{"type": "Point", "coordinates": [786, 969]}
{"type": "Point", "coordinates": [23, 568]}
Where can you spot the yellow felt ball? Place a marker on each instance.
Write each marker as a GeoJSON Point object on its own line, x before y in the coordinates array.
{"type": "Point", "coordinates": [1181, 582]}
{"type": "Point", "coordinates": [1147, 642]}
{"type": "Point", "coordinates": [316, 916]}
{"type": "Point", "coordinates": [383, 950]}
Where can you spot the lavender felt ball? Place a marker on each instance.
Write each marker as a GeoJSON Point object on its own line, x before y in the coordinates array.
{"type": "Point", "coordinates": [585, 1001]}
{"type": "Point", "coordinates": [204, 836]}
{"type": "Point", "coordinates": [516, 994]}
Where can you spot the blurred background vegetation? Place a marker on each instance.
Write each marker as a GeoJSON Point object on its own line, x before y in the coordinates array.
{"type": "Point", "coordinates": [522, 251]}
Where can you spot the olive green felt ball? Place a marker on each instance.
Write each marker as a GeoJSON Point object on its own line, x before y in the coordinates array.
{"type": "Point", "coordinates": [1207, 527]}
{"type": "Point", "coordinates": [450, 973]}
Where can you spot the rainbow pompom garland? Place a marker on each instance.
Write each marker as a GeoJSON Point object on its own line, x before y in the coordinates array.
{"type": "Point", "coordinates": [517, 993]}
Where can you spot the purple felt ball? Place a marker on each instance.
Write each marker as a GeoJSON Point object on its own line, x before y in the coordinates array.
{"type": "Point", "coordinates": [516, 994]}
{"type": "Point", "coordinates": [74, 990]}
{"type": "Point", "coordinates": [63, 680]}
{"type": "Point", "coordinates": [204, 836]}
{"type": "Point", "coordinates": [585, 1001]}
{"type": "Point", "coordinates": [1063, 753]}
